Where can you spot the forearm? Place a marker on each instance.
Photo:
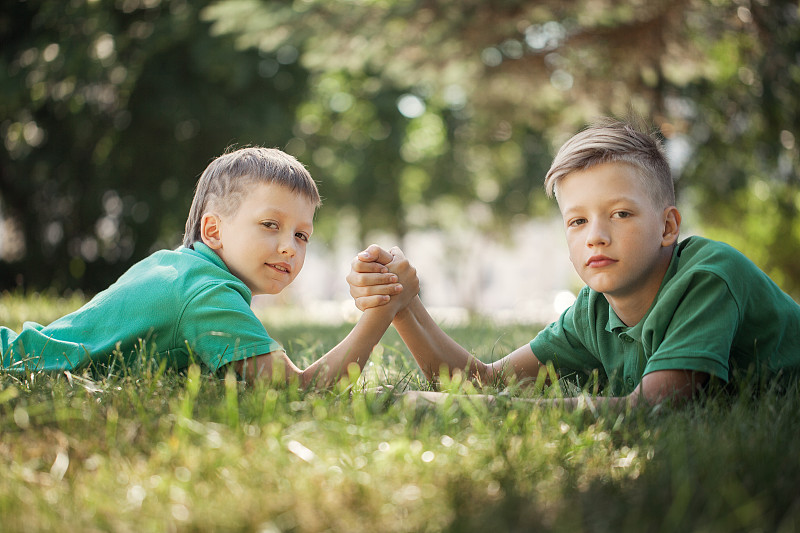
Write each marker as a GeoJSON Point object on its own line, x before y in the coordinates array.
{"type": "Point", "coordinates": [432, 347]}
{"type": "Point", "coordinates": [674, 387]}
{"type": "Point", "coordinates": [356, 348]}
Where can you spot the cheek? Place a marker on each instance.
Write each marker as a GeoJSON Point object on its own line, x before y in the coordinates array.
{"type": "Point", "coordinates": [573, 248]}
{"type": "Point", "coordinates": [300, 260]}
{"type": "Point", "coordinates": [577, 264]}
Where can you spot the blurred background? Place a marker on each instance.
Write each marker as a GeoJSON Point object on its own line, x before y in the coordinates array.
{"type": "Point", "coordinates": [427, 123]}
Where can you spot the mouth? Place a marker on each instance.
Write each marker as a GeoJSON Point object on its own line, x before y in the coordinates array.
{"type": "Point", "coordinates": [599, 261]}
{"type": "Point", "coordinates": [280, 267]}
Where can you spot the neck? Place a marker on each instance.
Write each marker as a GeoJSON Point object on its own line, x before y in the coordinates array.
{"type": "Point", "coordinates": [630, 312]}
{"type": "Point", "coordinates": [632, 307]}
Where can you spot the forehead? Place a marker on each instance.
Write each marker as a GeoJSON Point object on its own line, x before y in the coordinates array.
{"type": "Point", "coordinates": [262, 198]}
{"type": "Point", "coordinates": [601, 183]}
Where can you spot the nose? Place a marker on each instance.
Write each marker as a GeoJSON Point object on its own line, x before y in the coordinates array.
{"type": "Point", "coordinates": [598, 234]}
{"type": "Point", "coordinates": [287, 245]}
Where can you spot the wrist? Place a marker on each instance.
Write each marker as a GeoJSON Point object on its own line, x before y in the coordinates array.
{"type": "Point", "coordinates": [402, 315]}
{"type": "Point", "coordinates": [406, 313]}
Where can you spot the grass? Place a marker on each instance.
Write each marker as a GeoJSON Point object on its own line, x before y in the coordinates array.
{"type": "Point", "coordinates": [147, 450]}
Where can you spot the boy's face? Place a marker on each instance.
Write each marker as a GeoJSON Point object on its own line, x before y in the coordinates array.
{"type": "Point", "coordinates": [619, 241]}
{"type": "Point", "coordinates": [264, 242]}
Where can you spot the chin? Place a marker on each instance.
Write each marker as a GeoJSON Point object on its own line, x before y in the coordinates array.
{"type": "Point", "coordinates": [275, 290]}
{"type": "Point", "coordinates": [269, 291]}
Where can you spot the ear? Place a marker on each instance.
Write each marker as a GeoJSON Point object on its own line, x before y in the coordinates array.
{"type": "Point", "coordinates": [210, 230]}
{"type": "Point", "coordinates": [672, 226]}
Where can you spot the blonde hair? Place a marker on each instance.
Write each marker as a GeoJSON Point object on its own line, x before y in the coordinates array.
{"type": "Point", "coordinates": [223, 184]}
{"type": "Point", "coordinates": [610, 140]}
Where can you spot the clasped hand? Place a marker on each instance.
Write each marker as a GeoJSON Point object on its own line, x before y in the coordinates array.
{"type": "Point", "coordinates": [377, 277]}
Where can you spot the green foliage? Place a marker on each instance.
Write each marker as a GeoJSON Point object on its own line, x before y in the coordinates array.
{"type": "Point", "coordinates": [511, 80]}
{"type": "Point", "coordinates": [409, 114]}
{"type": "Point", "coordinates": [17, 308]}
{"type": "Point", "coordinates": [109, 113]}
{"type": "Point", "coordinates": [745, 169]}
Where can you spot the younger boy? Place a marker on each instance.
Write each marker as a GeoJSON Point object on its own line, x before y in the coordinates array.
{"type": "Point", "coordinates": [656, 319]}
{"type": "Point", "coordinates": [246, 234]}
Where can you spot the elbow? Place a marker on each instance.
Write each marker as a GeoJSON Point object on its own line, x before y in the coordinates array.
{"type": "Point", "coordinates": [649, 397]}
{"type": "Point", "coordinates": [487, 374]}
{"type": "Point", "coordinates": [674, 387]}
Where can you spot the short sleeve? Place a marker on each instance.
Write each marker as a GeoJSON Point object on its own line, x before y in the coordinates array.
{"type": "Point", "coordinates": [699, 332]}
{"type": "Point", "coordinates": [220, 327]}
{"type": "Point", "coordinates": [564, 344]}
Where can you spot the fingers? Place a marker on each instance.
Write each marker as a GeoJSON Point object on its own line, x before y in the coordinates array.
{"type": "Point", "coordinates": [399, 261]}
{"type": "Point", "coordinates": [375, 253]}
{"type": "Point", "coordinates": [371, 260]}
{"type": "Point", "coordinates": [360, 266]}
{"type": "Point", "coordinates": [375, 290]}
{"type": "Point", "coordinates": [371, 279]}
{"type": "Point", "coordinates": [366, 302]}
{"type": "Point", "coordinates": [397, 254]}
{"type": "Point", "coordinates": [377, 275]}
{"type": "Point", "coordinates": [406, 273]}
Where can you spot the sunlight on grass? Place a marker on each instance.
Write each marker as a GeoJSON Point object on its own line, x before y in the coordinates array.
{"type": "Point", "coordinates": [16, 308]}
{"type": "Point", "coordinates": [141, 448]}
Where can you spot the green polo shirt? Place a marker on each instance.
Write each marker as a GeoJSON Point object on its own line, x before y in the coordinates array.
{"type": "Point", "coordinates": [184, 304]}
{"type": "Point", "coordinates": [715, 312]}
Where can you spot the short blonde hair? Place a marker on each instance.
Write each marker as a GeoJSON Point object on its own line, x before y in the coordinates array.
{"type": "Point", "coordinates": [609, 140]}
{"type": "Point", "coordinates": [222, 186]}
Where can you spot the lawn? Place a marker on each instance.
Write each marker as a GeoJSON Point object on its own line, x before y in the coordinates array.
{"type": "Point", "coordinates": [140, 449]}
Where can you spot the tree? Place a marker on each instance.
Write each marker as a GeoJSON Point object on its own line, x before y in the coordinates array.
{"type": "Point", "coordinates": [502, 84]}
{"type": "Point", "coordinates": [410, 113]}
{"type": "Point", "coordinates": [109, 113]}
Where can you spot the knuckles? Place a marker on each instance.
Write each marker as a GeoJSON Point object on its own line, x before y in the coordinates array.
{"type": "Point", "coordinates": [369, 273]}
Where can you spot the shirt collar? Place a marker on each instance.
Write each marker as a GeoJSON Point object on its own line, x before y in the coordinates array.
{"type": "Point", "coordinates": [203, 250]}
{"type": "Point", "coordinates": [199, 248]}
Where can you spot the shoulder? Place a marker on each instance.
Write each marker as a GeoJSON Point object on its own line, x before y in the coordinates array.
{"type": "Point", "coordinates": [701, 253]}
{"type": "Point", "coordinates": [701, 266]}
{"type": "Point", "coordinates": [200, 270]}
{"type": "Point", "coordinates": [698, 256]}
{"type": "Point", "coordinates": [166, 263]}
{"type": "Point", "coordinates": [747, 283]}
{"type": "Point", "coordinates": [178, 276]}
{"type": "Point", "coordinates": [706, 272]}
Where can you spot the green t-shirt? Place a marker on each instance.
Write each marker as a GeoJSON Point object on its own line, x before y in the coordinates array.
{"type": "Point", "coordinates": [185, 303]}
{"type": "Point", "coordinates": [715, 312]}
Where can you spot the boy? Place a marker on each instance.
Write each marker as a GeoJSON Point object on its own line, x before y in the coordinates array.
{"type": "Point", "coordinates": [656, 319]}
{"type": "Point", "coordinates": [246, 234]}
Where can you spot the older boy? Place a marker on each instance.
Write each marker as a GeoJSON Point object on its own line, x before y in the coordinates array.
{"type": "Point", "coordinates": [246, 234]}
{"type": "Point", "coordinates": [656, 317]}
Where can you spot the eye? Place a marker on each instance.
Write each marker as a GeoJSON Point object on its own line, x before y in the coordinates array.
{"type": "Point", "coordinates": [269, 224]}
{"type": "Point", "coordinates": [622, 214]}
{"type": "Point", "coordinates": [576, 222]}
{"type": "Point", "coordinates": [302, 236]}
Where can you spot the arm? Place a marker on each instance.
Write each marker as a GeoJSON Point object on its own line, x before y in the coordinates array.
{"type": "Point", "coordinates": [370, 285]}
{"type": "Point", "coordinates": [355, 348]}
{"type": "Point", "coordinates": [655, 388]}
{"type": "Point", "coordinates": [432, 348]}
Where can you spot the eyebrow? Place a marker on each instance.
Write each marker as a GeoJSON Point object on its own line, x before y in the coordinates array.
{"type": "Point", "coordinates": [277, 212]}
{"type": "Point", "coordinates": [611, 201]}
{"type": "Point", "coordinates": [619, 200]}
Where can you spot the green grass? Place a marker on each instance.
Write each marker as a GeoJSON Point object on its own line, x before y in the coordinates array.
{"type": "Point", "coordinates": [143, 450]}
